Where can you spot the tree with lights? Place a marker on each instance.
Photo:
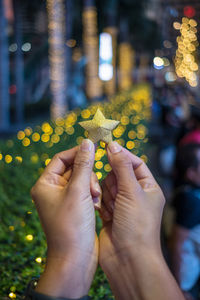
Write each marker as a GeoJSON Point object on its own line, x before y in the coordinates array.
{"type": "Point", "coordinates": [91, 49]}
{"type": "Point", "coordinates": [57, 57]}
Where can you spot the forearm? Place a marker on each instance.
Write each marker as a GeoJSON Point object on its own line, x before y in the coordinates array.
{"type": "Point", "coordinates": [144, 277]}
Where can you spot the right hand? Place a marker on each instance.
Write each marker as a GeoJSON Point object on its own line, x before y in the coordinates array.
{"type": "Point", "coordinates": [131, 210]}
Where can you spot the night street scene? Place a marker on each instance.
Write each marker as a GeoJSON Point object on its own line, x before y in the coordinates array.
{"type": "Point", "coordinates": [100, 149]}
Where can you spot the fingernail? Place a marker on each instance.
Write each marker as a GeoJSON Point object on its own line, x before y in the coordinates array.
{"type": "Point", "coordinates": [86, 145]}
{"type": "Point", "coordinates": [97, 188]}
{"type": "Point", "coordinates": [114, 147]}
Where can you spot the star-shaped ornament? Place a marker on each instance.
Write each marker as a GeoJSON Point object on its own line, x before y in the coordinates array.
{"type": "Point", "coordinates": [99, 128]}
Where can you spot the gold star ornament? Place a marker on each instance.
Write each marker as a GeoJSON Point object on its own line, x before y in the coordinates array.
{"type": "Point", "coordinates": [99, 128]}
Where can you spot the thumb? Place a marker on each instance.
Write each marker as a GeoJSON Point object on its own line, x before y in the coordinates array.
{"type": "Point", "coordinates": [83, 165]}
{"type": "Point", "coordinates": [122, 168]}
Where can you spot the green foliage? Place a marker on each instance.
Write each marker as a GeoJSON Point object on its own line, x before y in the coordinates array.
{"type": "Point", "coordinates": [21, 237]}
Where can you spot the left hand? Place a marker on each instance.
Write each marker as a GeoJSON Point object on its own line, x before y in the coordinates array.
{"type": "Point", "coordinates": [63, 196]}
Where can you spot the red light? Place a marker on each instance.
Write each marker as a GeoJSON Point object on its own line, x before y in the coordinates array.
{"type": "Point", "coordinates": [189, 11]}
{"type": "Point", "coordinates": [12, 89]}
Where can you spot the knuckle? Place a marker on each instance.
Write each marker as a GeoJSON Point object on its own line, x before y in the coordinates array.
{"type": "Point", "coordinates": [122, 160]}
{"type": "Point", "coordinates": [82, 161]}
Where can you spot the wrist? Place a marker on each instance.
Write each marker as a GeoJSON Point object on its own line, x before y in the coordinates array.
{"type": "Point", "coordinates": [65, 277]}
{"type": "Point", "coordinates": [142, 275]}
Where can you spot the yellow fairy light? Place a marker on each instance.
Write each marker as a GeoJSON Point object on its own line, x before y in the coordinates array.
{"type": "Point", "coordinates": [107, 168]}
{"type": "Point", "coordinates": [99, 165]}
{"type": "Point", "coordinates": [20, 135]}
{"type": "Point", "coordinates": [102, 144]}
{"type": "Point", "coordinates": [26, 142]}
{"type": "Point", "coordinates": [59, 130]}
{"type": "Point", "coordinates": [60, 122]}
{"type": "Point", "coordinates": [38, 260]}
{"type": "Point", "coordinates": [8, 159]}
{"type": "Point", "coordinates": [18, 159]}
{"type": "Point", "coordinates": [29, 212]}
{"type": "Point", "coordinates": [130, 145]}
{"type": "Point", "coordinates": [29, 237]}
{"type": "Point", "coordinates": [28, 131]}
{"type": "Point", "coordinates": [47, 161]}
{"type": "Point", "coordinates": [99, 175]}
{"type": "Point", "coordinates": [11, 228]}
{"type": "Point", "coordinates": [140, 135]}
{"type": "Point", "coordinates": [12, 295]}
{"type": "Point", "coordinates": [45, 138]}
{"type": "Point", "coordinates": [85, 114]}
{"type": "Point", "coordinates": [46, 128]}
{"type": "Point", "coordinates": [55, 138]}
{"type": "Point", "coordinates": [124, 120]}
{"type": "Point", "coordinates": [70, 130]}
{"type": "Point", "coordinates": [35, 137]}
{"type": "Point", "coordinates": [132, 134]}
{"type": "Point", "coordinates": [1, 156]}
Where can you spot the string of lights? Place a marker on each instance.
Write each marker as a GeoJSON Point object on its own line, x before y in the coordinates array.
{"type": "Point", "coordinates": [185, 60]}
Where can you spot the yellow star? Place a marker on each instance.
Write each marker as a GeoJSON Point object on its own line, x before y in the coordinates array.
{"type": "Point", "coordinates": [99, 128]}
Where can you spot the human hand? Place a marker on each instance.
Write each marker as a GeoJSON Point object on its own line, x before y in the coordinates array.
{"type": "Point", "coordinates": [130, 252]}
{"type": "Point", "coordinates": [131, 209]}
{"type": "Point", "coordinates": [63, 196]}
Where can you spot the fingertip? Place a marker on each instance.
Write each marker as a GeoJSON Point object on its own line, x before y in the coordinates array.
{"type": "Point", "coordinates": [114, 147]}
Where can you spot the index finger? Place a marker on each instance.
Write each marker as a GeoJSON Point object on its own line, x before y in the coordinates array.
{"type": "Point", "coordinates": [61, 162]}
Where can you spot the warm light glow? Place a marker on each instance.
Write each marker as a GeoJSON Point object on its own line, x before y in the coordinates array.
{"type": "Point", "coordinates": [38, 260]}
{"type": "Point", "coordinates": [185, 60]}
{"type": "Point", "coordinates": [21, 135]}
{"type": "Point", "coordinates": [158, 63]}
{"type": "Point", "coordinates": [29, 237]}
{"type": "Point", "coordinates": [8, 159]}
{"type": "Point", "coordinates": [177, 25]}
{"type": "Point", "coordinates": [99, 175]}
{"type": "Point", "coordinates": [12, 295]}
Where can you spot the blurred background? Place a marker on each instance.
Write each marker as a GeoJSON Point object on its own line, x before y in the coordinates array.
{"type": "Point", "coordinates": [138, 61]}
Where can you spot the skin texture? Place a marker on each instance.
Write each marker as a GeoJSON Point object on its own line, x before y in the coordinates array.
{"type": "Point", "coordinates": [66, 211]}
{"type": "Point", "coordinates": [130, 253]}
{"type": "Point", "coordinates": [129, 243]}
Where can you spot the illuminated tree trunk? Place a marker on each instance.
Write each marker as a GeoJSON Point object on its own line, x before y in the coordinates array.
{"type": "Point", "coordinates": [69, 4]}
{"type": "Point", "coordinates": [91, 50]}
{"type": "Point", "coordinates": [19, 63]}
{"type": "Point", "coordinates": [4, 71]}
{"type": "Point", "coordinates": [111, 28]}
{"type": "Point", "coordinates": [126, 57]}
{"type": "Point", "coordinates": [57, 57]}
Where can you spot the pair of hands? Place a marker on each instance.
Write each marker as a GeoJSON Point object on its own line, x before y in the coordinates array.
{"type": "Point", "coordinates": [131, 212]}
